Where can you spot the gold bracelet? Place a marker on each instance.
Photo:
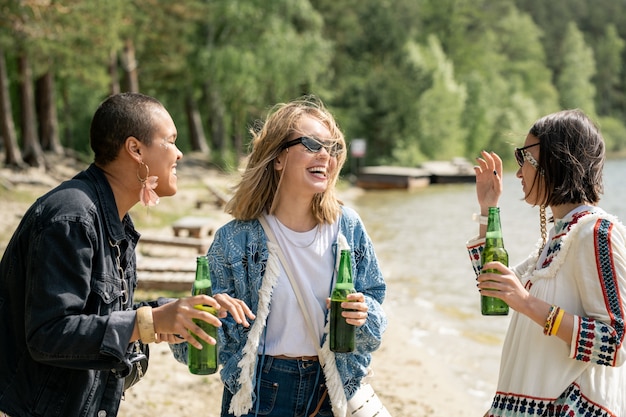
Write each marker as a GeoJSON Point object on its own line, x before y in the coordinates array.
{"type": "Point", "coordinates": [145, 323]}
{"type": "Point", "coordinates": [557, 322]}
{"type": "Point", "coordinates": [547, 328]}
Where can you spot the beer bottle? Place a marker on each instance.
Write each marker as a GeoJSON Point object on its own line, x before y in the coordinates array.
{"type": "Point", "coordinates": [203, 361]}
{"type": "Point", "coordinates": [494, 251]}
{"type": "Point", "coordinates": [342, 337]}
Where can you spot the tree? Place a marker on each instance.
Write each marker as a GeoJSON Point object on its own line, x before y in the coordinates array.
{"type": "Point", "coordinates": [574, 81]}
{"type": "Point", "coordinates": [246, 55]}
{"type": "Point", "coordinates": [32, 151]}
{"type": "Point", "coordinates": [609, 77]}
{"type": "Point", "coordinates": [441, 107]}
{"type": "Point", "coordinates": [55, 40]}
{"type": "Point", "coordinates": [12, 154]}
{"type": "Point", "coordinates": [219, 65]}
{"type": "Point", "coordinates": [197, 137]}
{"type": "Point", "coordinates": [45, 100]}
{"type": "Point", "coordinates": [374, 88]}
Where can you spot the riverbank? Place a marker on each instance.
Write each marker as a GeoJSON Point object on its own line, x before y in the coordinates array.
{"type": "Point", "coordinates": [411, 379]}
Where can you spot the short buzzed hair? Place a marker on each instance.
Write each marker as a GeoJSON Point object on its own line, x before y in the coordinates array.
{"type": "Point", "coordinates": [117, 118]}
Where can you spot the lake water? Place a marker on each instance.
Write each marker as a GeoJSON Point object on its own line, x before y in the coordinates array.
{"type": "Point", "coordinates": [420, 236]}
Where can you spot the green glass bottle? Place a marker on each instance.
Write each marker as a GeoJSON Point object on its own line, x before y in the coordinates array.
{"type": "Point", "coordinates": [204, 361]}
{"type": "Point", "coordinates": [342, 334]}
{"type": "Point", "coordinates": [494, 251]}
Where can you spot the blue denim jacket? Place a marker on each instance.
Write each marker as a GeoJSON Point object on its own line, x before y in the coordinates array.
{"type": "Point", "coordinates": [238, 259]}
{"type": "Point", "coordinates": [64, 330]}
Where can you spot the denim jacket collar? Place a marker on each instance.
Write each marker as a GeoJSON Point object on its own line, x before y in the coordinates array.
{"type": "Point", "coordinates": [116, 230]}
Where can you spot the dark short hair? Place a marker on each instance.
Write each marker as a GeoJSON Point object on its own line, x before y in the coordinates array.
{"type": "Point", "coordinates": [571, 157]}
{"type": "Point", "coordinates": [117, 118]}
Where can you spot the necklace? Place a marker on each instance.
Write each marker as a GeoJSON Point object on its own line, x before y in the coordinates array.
{"type": "Point", "coordinates": [285, 234]}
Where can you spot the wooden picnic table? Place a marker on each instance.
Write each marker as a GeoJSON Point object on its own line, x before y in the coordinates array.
{"type": "Point", "coordinates": [192, 226]}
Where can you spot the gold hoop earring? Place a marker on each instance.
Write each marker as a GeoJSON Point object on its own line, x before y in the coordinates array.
{"type": "Point", "coordinates": [142, 165]}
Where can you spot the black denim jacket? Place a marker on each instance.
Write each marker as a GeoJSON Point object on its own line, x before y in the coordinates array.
{"type": "Point", "coordinates": [65, 318]}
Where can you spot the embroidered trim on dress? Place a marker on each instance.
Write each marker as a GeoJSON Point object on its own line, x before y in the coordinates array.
{"type": "Point", "coordinates": [559, 257]}
{"type": "Point", "coordinates": [570, 402]}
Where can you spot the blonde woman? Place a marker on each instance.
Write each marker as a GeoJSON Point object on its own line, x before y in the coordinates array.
{"type": "Point", "coordinates": [273, 368]}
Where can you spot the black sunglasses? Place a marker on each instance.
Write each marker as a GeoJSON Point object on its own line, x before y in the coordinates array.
{"type": "Point", "coordinates": [315, 145]}
{"type": "Point", "coordinates": [519, 153]}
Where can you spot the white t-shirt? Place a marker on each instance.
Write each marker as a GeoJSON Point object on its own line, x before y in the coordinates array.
{"type": "Point", "coordinates": [311, 260]}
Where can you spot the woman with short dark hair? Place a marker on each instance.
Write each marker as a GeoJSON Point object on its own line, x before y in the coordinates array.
{"type": "Point", "coordinates": [68, 321]}
{"type": "Point", "coordinates": [564, 351]}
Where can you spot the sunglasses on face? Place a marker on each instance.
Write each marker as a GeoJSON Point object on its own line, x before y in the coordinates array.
{"type": "Point", "coordinates": [522, 155]}
{"type": "Point", "coordinates": [315, 145]}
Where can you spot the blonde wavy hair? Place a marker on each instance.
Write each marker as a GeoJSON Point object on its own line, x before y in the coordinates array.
{"type": "Point", "coordinates": [260, 182]}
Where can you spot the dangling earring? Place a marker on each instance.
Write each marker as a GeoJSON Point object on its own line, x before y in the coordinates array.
{"type": "Point", "coordinates": [147, 195]}
{"type": "Point", "coordinates": [542, 220]}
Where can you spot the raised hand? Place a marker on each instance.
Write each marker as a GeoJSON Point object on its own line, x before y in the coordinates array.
{"type": "Point", "coordinates": [488, 180]}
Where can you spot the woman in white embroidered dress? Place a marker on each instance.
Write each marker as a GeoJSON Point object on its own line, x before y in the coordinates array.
{"type": "Point", "coordinates": [564, 351]}
{"type": "Point", "coordinates": [273, 367]}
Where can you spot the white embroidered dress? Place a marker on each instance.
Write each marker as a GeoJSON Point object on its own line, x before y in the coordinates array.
{"type": "Point", "coordinates": [583, 271]}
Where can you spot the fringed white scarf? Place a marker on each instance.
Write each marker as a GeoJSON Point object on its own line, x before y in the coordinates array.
{"type": "Point", "coordinates": [241, 402]}
{"type": "Point", "coordinates": [333, 380]}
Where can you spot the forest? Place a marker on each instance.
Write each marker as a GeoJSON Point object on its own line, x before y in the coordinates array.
{"type": "Point", "coordinates": [417, 79]}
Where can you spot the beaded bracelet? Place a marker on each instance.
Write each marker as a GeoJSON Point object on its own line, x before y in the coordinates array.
{"type": "Point", "coordinates": [145, 323]}
{"type": "Point", "coordinates": [557, 322]}
{"type": "Point", "coordinates": [547, 328]}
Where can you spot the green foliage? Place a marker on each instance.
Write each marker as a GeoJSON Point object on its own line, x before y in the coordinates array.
{"type": "Point", "coordinates": [609, 66]}
{"type": "Point", "coordinates": [614, 133]}
{"type": "Point", "coordinates": [440, 106]}
{"type": "Point", "coordinates": [418, 79]}
{"type": "Point", "coordinates": [574, 81]}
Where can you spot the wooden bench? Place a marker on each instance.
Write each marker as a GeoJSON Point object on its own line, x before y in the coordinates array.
{"type": "Point", "coordinates": [200, 245]}
{"type": "Point", "coordinates": [166, 274]}
{"type": "Point", "coordinates": [221, 198]}
{"type": "Point", "coordinates": [172, 281]}
{"type": "Point", "coordinates": [165, 265]}
{"type": "Point", "coordinates": [195, 227]}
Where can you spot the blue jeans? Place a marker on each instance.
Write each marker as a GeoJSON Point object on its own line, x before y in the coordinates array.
{"type": "Point", "coordinates": [287, 387]}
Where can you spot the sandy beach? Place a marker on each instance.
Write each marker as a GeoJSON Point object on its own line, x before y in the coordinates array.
{"type": "Point", "coordinates": [410, 380]}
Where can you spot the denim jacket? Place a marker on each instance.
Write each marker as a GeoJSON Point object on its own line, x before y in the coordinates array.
{"type": "Point", "coordinates": [65, 326]}
{"type": "Point", "coordinates": [238, 258]}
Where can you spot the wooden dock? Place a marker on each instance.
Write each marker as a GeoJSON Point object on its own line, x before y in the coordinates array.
{"type": "Point", "coordinates": [390, 177]}
{"type": "Point", "coordinates": [459, 170]}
